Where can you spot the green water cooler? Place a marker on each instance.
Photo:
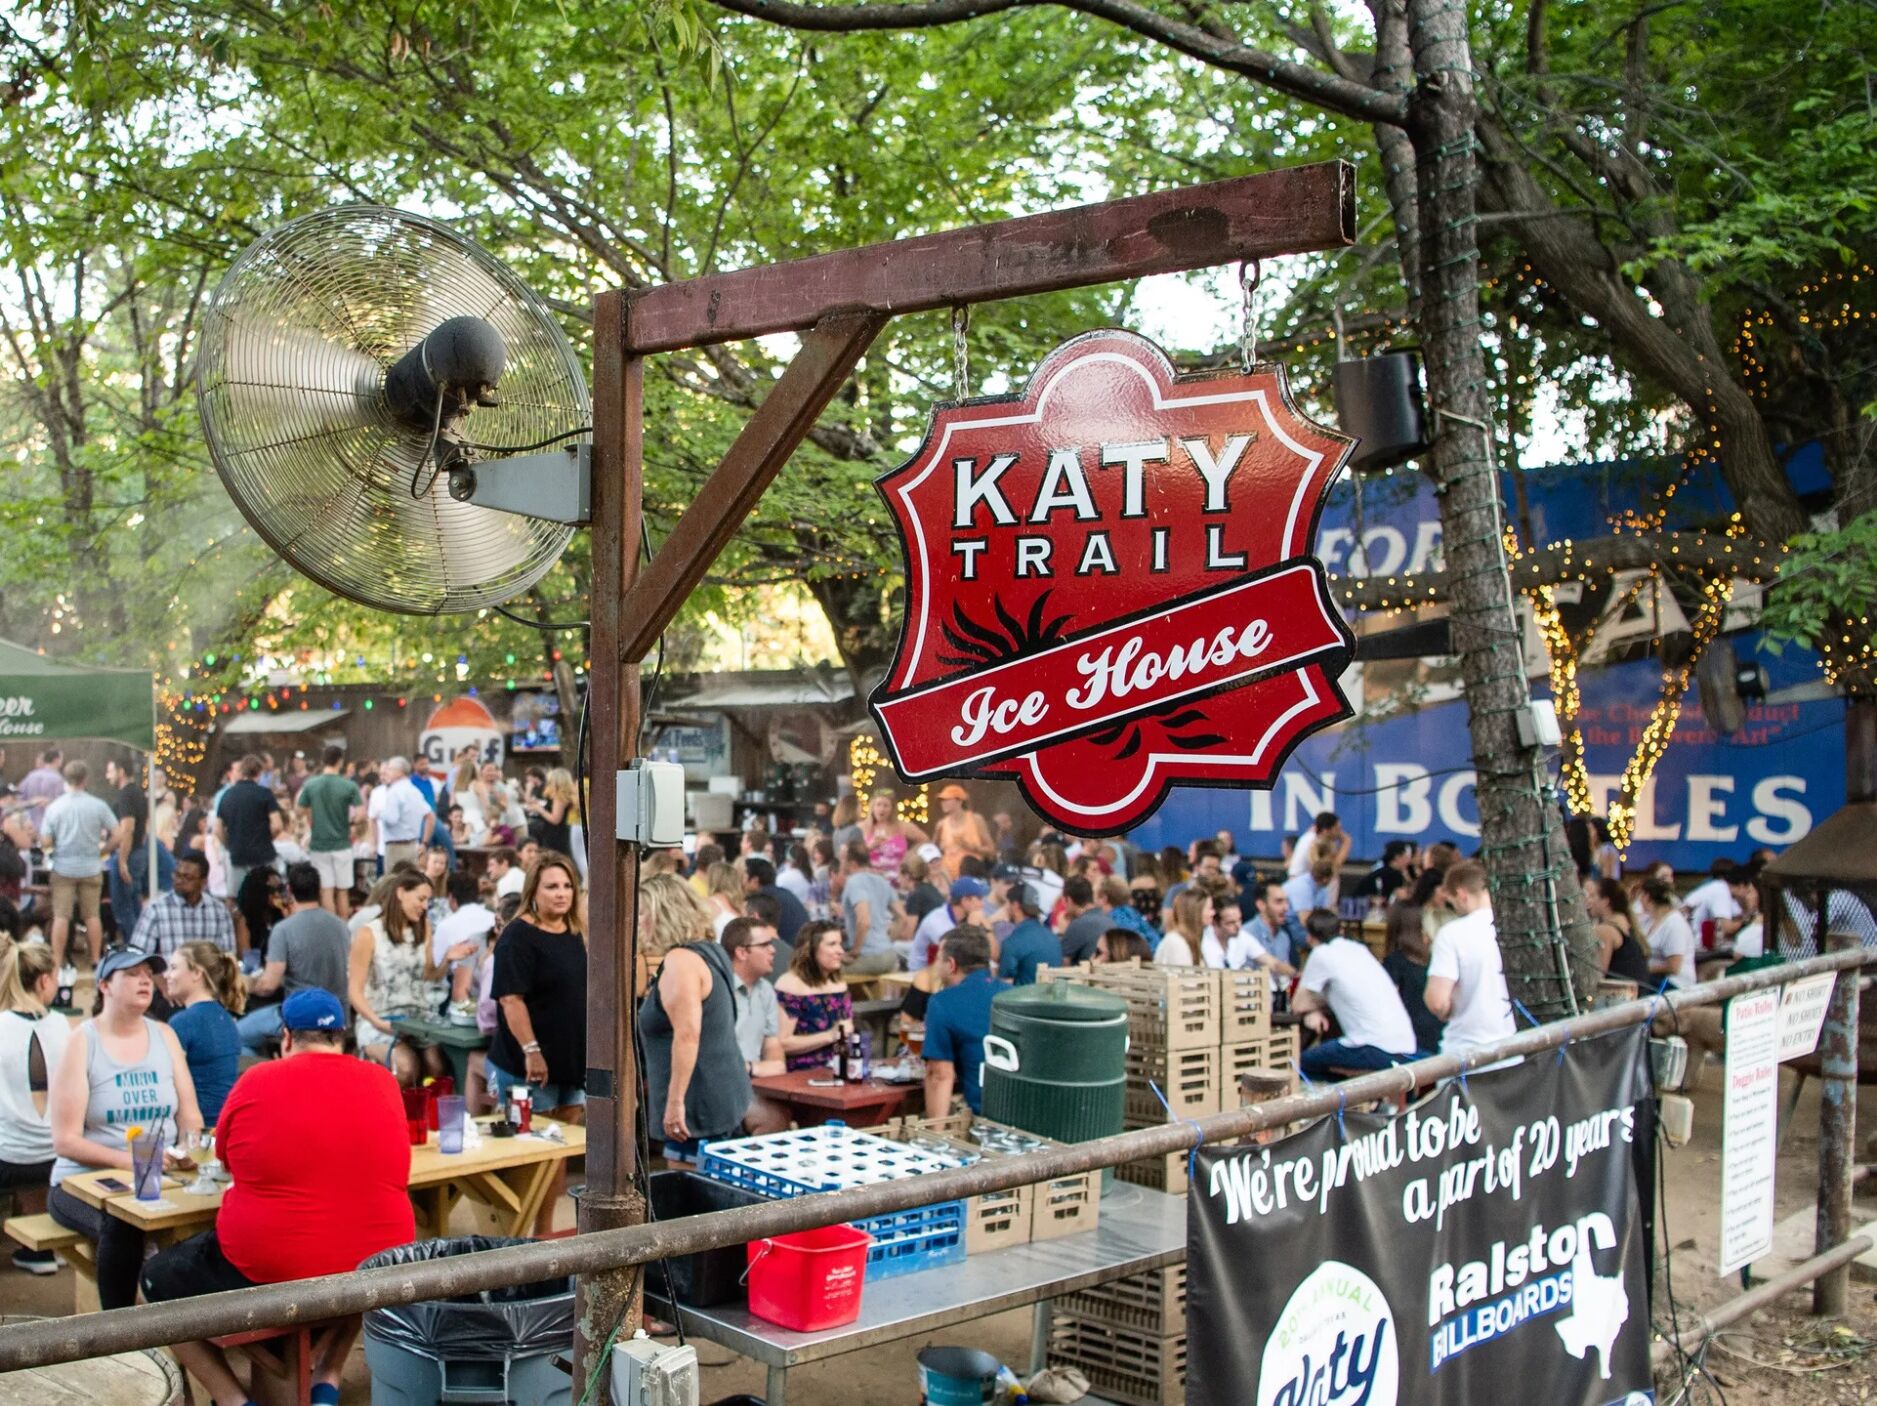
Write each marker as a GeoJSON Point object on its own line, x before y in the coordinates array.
{"type": "Point", "coordinates": [1055, 1062]}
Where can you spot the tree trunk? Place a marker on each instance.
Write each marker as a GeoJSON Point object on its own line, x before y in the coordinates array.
{"type": "Point", "coordinates": [1543, 928]}
{"type": "Point", "coordinates": [860, 624]}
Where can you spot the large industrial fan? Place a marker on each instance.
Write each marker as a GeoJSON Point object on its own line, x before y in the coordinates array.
{"type": "Point", "coordinates": [376, 390]}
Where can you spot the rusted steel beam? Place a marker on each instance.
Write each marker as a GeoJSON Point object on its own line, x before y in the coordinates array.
{"type": "Point", "coordinates": [1760, 1296]}
{"type": "Point", "coordinates": [611, 1200]}
{"type": "Point", "coordinates": [731, 493]}
{"type": "Point", "coordinates": [310, 1300]}
{"type": "Point", "coordinates": [1837, 1126]}
{"type": "Point", "coordinates": [1290, 211]}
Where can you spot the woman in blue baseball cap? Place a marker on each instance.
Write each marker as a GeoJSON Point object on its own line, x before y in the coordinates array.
{"type": "Point", "coordinates": [122, 1071]}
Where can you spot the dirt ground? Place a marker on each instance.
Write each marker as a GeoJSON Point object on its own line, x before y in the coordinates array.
{"type": "Point", "coordinates": [1781, 1357]}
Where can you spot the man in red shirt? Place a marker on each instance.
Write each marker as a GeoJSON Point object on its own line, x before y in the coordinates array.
{"type": "Point", "coordinates": [321, 1158]}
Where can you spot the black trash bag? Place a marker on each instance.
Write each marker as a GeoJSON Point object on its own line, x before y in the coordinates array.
{"type": "Point", "coordinates": [518, 1320]}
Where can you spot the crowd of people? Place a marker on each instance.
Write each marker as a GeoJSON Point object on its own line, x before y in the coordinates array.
{"type": "Point", "coordinates": [306, 912]}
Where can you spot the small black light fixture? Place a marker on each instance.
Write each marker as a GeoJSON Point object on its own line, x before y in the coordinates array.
{"type": "Point", "coordinates": [1379, 402]}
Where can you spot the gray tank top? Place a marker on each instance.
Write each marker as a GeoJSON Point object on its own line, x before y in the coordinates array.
{"type": "Point", "coordinates": [125, 1095]}
{"type": "Point", "coordinates": [719, 1093]}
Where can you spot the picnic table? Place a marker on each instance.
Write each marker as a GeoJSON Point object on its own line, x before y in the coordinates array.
{"type": "Point", "coordinates": [509, 1177]}
{"type": "Point", "coordinates": [859, 1105]}
{"type": "Point", "coordinates": [1139, 1229]}
{"type": "Point", "coordinates": [457, 1042]}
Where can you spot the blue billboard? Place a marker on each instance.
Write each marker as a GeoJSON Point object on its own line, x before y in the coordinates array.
{"type": "Point", "coordinates": [1403, 770]}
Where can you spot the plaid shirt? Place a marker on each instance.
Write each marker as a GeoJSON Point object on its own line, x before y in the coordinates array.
{"type": "Point", "coordinates": [169, 922]}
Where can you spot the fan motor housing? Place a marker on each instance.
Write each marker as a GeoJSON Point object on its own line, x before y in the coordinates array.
{"type": "Point", "coordinates": [464, 354]}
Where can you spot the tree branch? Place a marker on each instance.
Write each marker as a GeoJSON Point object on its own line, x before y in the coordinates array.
{"type": "Point", "coordinates": [1328, 91]}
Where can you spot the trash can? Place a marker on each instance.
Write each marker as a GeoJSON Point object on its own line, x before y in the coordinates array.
{"type": "Point", "coordinates": [708, 1277]}
{"type": "Point", "coordinates": [493, 1347]}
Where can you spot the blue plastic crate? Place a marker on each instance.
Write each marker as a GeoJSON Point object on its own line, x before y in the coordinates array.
{"type": "Point", "coordinates": [922, 1238]}
{"type": "Point", "coordinates": [834, 1158]}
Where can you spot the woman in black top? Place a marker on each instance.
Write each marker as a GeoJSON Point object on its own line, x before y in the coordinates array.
{"type": "Point", "coordinates": [540, 991]}
{"type": "Point", "coordinates": [1623, 955]}
{"type": "Point", "coordinates": [1406, 965]}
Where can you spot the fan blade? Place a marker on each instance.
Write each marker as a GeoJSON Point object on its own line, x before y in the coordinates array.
{"type": "Point", "coordinates": [298, 379]}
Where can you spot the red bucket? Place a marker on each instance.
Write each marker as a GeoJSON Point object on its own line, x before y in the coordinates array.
{"type": "Point", "coordinates": [809, 1280]}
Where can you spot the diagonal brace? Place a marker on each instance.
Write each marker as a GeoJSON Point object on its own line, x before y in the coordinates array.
{"type": "Point", "coordinates": [829, 351]}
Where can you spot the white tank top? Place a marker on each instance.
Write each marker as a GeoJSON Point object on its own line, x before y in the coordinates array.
{"type": "Point", "coordinates": [25, 1132]}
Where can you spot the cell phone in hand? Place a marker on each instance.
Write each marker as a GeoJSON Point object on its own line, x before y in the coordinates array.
{"type": "Point", "coordinates": [112, 1184]}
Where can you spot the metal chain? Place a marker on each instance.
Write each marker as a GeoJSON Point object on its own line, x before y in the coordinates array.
{"type": "Point", "coordinates": [1250, 274]}
{"type": "Point", "coordinates": [961, 355]}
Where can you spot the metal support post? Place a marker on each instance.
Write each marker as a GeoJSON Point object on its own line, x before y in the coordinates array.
{"type": "Point", "coordinates": [1837, 1127]}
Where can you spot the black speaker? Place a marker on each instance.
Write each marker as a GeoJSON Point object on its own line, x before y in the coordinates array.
{"type": "Point", "coordinates": [1378, 401]}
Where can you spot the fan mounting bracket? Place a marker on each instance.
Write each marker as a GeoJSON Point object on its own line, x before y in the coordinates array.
{"type": "Point", "coordinates": [556, 486]}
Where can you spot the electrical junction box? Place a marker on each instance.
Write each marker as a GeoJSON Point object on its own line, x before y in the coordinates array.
{"type": "Point", "coordinates": [646, 1373]}
{"type": "Point", "coordinates": [651, 803]}
{"type": "Point", "coordinates": [1538, 724]}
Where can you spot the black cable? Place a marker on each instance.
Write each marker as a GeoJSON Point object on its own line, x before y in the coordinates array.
{"type": "Point", "coordinates": [430, 452]}
{"type": "Point", "coordinates": [548, 625]}
{"type": "Point", "coordinates": [538, 444]}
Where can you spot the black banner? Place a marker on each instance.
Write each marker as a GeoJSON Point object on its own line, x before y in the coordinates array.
{"type": "Point", "coordinates": [1485, 1245]}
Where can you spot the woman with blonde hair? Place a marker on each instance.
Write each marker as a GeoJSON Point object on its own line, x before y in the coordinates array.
{"type": "Point", "coordinates": [540, 992]}
{"type": "Point", "coordinates": [32, 1039]}
{"type": "Point", "coordinates": [886, 836]}
{"type": "Point", "coordinates": [1186, 930]}
{"type": "Point", "coordinates": [723, 895]}
{"type": "Point", "coordinates": [670, 916]}
{"type": "Point", "coordinates": [554, 812]}
{"type": "Point", "coordinates": [207, 988]}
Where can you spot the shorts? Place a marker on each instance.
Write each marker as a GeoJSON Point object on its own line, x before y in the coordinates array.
{"type": "Point", "coordinates": [336, 868]}
{"type": "Point", "coordinates": [25, 1176]}
{"type": "Point", "coordinates": [546, 1097]}
{"type": "Point", "coordinates": [401, 851]}
{"type": "Point", "coordinates": [83, 895]}
{"type": "Point", "coordinates": [196, 1266]}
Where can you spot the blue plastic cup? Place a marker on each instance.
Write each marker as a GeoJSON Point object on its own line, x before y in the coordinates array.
{"type": "Point", "coordinates": [451, 1109]}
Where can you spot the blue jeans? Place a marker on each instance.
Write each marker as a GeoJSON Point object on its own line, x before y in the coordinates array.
{"type": "Point", "coordinates": [545, 1097]}
{"type": "Point", "coordinates": [127, 898]}
{"type": "Point", "coordinates": [258, 1026]}
{"type": "Point", "coordinates": [1322, 1059]}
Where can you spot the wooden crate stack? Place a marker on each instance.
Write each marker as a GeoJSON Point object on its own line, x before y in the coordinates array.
{"type": "Point", "coordinates": [1191, 1032]}
{"type": "Point", "coordinates": [997, 1220]}
{"type": "Point", "coordinates": [1127, 1337]}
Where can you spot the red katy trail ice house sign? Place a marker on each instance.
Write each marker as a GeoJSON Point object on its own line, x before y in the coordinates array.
{"type": "Point", "coordinates": [1109, 585]}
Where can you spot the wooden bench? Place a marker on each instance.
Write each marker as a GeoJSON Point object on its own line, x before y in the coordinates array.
{"type": "Point", "coordinates": [41, 1232]}
{"type": "Point", "coordinates": [280, 1361]}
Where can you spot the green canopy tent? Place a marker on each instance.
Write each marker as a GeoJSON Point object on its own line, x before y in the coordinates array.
{"type": "Point", "coordinates": [43, 698]}
{"type": "Point", "coordinates": [47, 698]}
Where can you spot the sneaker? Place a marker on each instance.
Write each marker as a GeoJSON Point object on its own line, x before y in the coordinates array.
{"type": "Point", "coordinates": [37, 1261]}
{"type": "Point", "coordinates": [68, 975]}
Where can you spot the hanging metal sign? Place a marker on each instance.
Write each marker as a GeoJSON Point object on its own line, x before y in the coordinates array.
{"type": "Point", "coordinates": [1110, 589]}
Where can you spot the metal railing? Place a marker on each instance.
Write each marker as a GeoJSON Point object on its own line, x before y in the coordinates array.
{"type": "Point", "coordinates": [333, 1296]}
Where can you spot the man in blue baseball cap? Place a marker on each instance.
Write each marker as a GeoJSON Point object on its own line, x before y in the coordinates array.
{"type": "Point", "coordinates": [320, 1156]}
{"type": "Point", "coordinates": [966, 905]}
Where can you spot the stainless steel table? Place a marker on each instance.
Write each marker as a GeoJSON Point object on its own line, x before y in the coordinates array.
{"type": "Point", "coordinates": [1140, 1229]}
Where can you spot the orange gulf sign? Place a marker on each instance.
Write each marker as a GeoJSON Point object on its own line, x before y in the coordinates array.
{"type": "Point", "coordinates": [1109, 585]}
